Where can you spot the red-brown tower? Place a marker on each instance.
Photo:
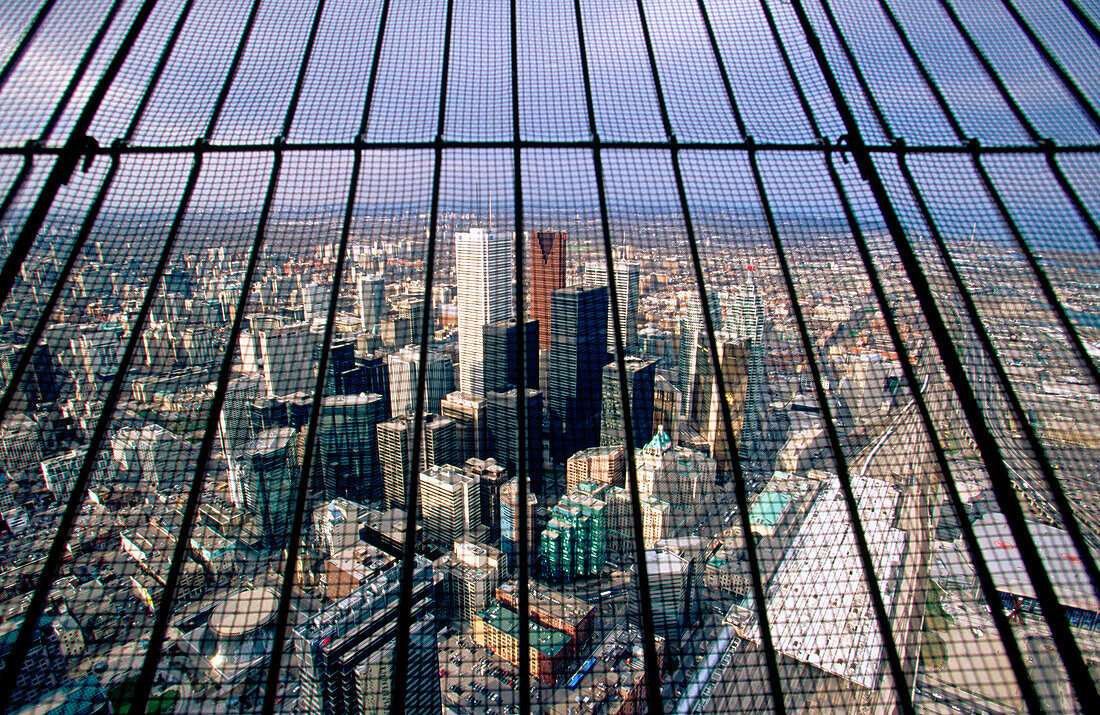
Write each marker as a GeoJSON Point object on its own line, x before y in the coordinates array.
{"type": "Point", "coordinates": [547, 250]}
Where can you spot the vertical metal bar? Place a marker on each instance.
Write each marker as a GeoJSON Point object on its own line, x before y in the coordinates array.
{"type": "Point", "coordinates": [771, 659]}
{"type": "Point", "coordinates": [412, 491]}
{"type": "Point", "coordinates": [1041, 278]}
{"type": "Point", "coordinates": [1086, 21]}
{"type": "Point", "coordinates": [1064, 510]}
{"type": "Point", "coordinates": [645, 599]}
{"type": "Point", "coordinates": [901, 687]}
{"type": "Point", "coordinates": [144, 684]}
{"type": "Point", "coordinates": [66, 161]}
{"type": "Point", "coordinates": [990, 71]}
{"type": "Point", "coordinates": [981, 567]}
{"type": "Point", "coordinates": [865, 87]}
{"type": "Point", "coordinates": [1071, 655]}
{"type": "Point", "coordinates": [76, 498]}
{"type": "Point", "coordinates": [25, 41]}
{"type": "Point", "coordinates": [521, 516]}
{"type": "Point", "coordinates": [290, 567]}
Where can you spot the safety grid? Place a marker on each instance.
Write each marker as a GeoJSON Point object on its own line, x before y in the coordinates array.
{"type": "Point", "coordinates": [571, 358]}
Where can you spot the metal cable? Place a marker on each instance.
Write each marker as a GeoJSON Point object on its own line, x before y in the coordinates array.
{"type": "Point", "coordinates": [412, 488]}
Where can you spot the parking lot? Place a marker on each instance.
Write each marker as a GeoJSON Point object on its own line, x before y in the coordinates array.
{"type": "Point", "coordinates": [473, 679]}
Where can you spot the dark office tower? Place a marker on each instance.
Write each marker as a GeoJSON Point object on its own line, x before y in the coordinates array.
{"type": "Point", "coordinates": [261, 482]}
{"type": "Point", "coordinates": [666, 407]}
{"type": "Point", "coordinates": [266, 413]}
{"type": "Point", "coordinates": [503, 441]}
{"type": "Point", "coordinates": [509, 521]}
{"type": "Point", "coordinates": [341, 360]}
{"type": "Point", "coordinates": [347, 451]}
{"type": "Point", "coordinates": [412, 310]}
{"type": "Point", "coordinates": [372, 300]}
{"type": "Point", "coordinates": [500, 347]}
{"type": "Point", "coordinates": [492, 477]}
{"type": "Point", "coordinates": [547, 274]}
{"type": "Point", "coordinates": [578, 352]}
{"type": "Point", "coordinates": [40, 382]}
{"type": "Point", "coordinates": [375, 377]}
{"type": "Point", "coordinates": [469, 414]}
{"type": "Point", "coordinates": [640, 375]}
{"type": "Point", "coordinates": [344, 654]}
{"type": "Point", "coordinates": [395, 439]}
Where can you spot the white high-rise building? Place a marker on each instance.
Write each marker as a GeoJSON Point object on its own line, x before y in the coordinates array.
{"type": "Point", "coordinates": [746, 321]}
{"type": "Point", "coordinates": [628, 282]}
{"type": "Point", "coordinates": [483, 271]}
{"type": "Point", "coordinates": [450, 503]}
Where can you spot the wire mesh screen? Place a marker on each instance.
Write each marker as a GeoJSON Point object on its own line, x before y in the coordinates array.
{"type": "Point", "coordinates": [574, 358]}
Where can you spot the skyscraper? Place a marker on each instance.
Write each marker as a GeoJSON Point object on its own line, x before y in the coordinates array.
{"type": "Point", "coordinates": [509, 521]}
{"type": "Point", "coordinates": [483, 272]}
{"type": "Point", "coordinates": [639, 383]}
{"type": "Point", "coordinates": [469, 414]}
{"type": "Point", "coordinates": [284, 357]}
{"type": "Point", "coordinates": [372, 300]}
{"type": "Point", "coordinates": [411, 310]}
{"type": "Point", "coordinates": [747, 322]}
{"type": "Point", "coordinates": [600, 465]}
{"type": "Point", "coordinates": [503, 433]}
{"type": "Point", "coordinates": [500, 344]}
{"type": "Point", "coordinates": [395, 443]}
{"type": "Point", "coordinates": [402, 370]}
{"type": "Point", "coordinates": [315, 300]}
{"type": "Point", "coordinates": [450, 503]}
{"type": "Point", "coordinates": [547, 274]}
{"type": "Point", "coordinates": [733, 357]}
{"type": "Point", "coordinates": [627, 280]}
{"type": "Point", "coordinates": [692, 336]}
{"type": "Point", "coordinates": [263, 481]}
{"type": "Point", "coordinates": [574, 543]}
{"type": "Point", "coordinates": [347, 450]}
{"type": "Point", "coordinates": [492, 477]}
{"type": "Point", "coordinates": [578, 352]}
{"type": "Point", "coordinates": [343, 654]}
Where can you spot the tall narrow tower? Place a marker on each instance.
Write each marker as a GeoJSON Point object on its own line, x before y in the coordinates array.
{"type": "Point", "coordinates": [746, 321]}
{"type": "Point", "coordinates": [547, 266]}
{"type": "Point", "coordinates": [482, 267]}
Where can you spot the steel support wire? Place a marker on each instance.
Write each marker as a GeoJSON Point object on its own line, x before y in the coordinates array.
{"type": "Point", "coordinates": [144, 684]}
{"type": "Point", "coordinates": [981, 567]}
{"type": "Point", "coordinates": [912, 381]}
{"type": "Point", "coordinates": [25, 41]}
{"type": "Point", "coordinates": [905, 701]}
{"type": "Point", "coordinates": [775, 680]}
{"type": "Point", "coordinates": [1067, 646]}
{"type": "Point", "coordinates": [67, 159]}
{"type": "Point", "coordinates": [1046, 145]}
{"type": "Point", "coordinates": [523, 640]}
{"type": "Point", "coordinates": [282, 617]}
{"type": "Point", "coordinates": [90, 218]}
{"type": "Point", "coordinates": [17, 655]}
{"type": "Point", "coordinates": [412, 485]}
{"type": "Point", "coordinates": [1063, 507]}
{"type": "Point", "coordinates": [651, 661]}
{"type": "Point", "coordinates": [1053, 64]}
